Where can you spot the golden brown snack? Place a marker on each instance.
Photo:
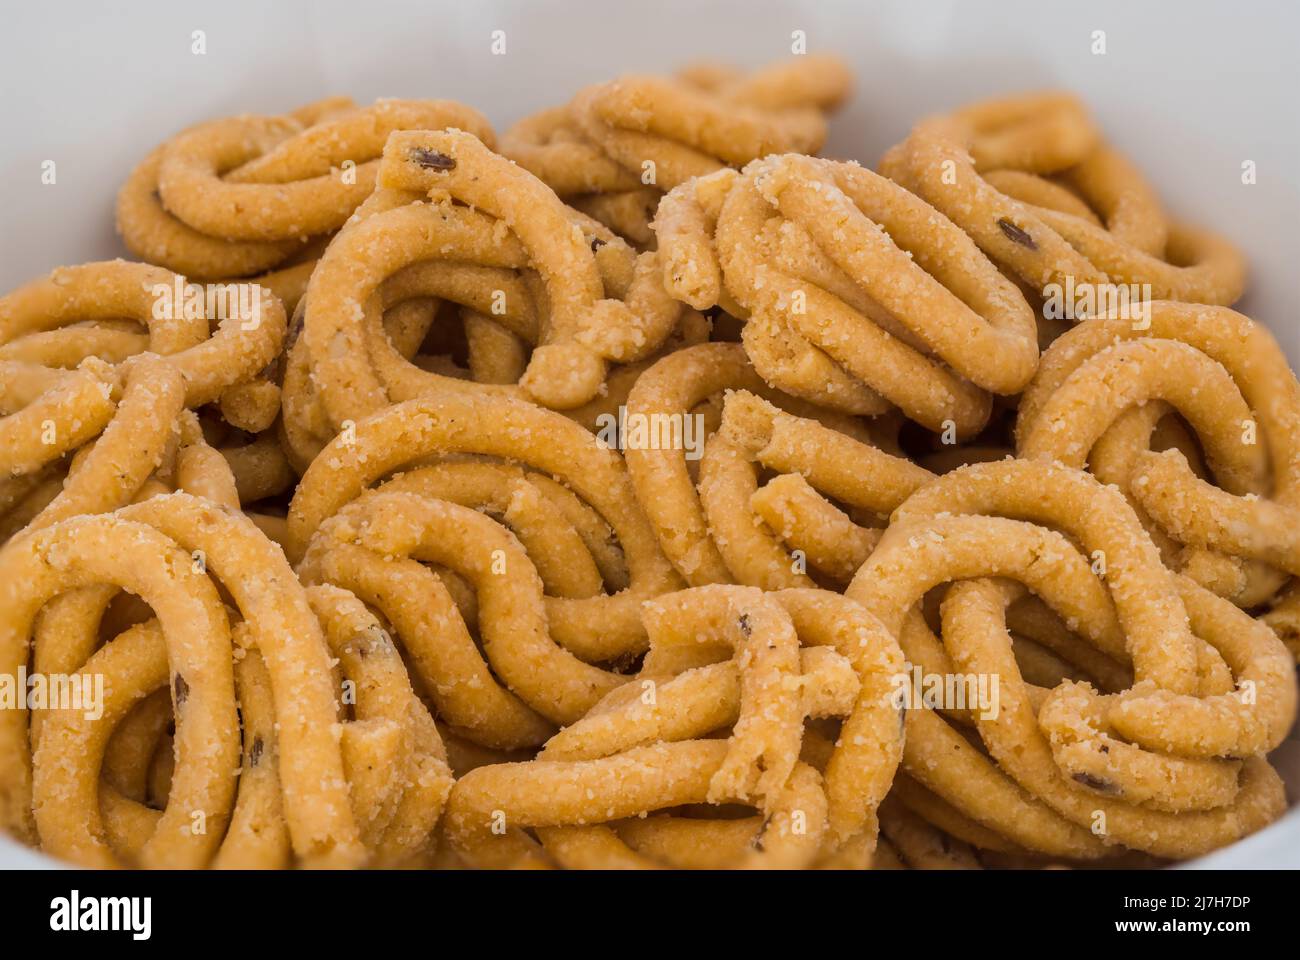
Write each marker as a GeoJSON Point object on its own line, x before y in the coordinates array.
{"type": "Point", "coordinates": [664, 497]}
{"type": "Point", "coordinates": [238, 196]}
{"type": "Point", "coordinates": [89, 550]}
{"type": "Point", "coordinates": [1178, 713]}
{"type": "Point", "coordinates": [800, 527]}
{"type": "Point", "coordinates": [856, 291]}
{"type": "Point", "coordinates": [366, 549]}
{"type": "Point", "coordinates": [1098, 223]}
{"type": "Point", "coordinates": [720, 657]}
{"type": "Point", "coordinates": [670, 395]}
{"type": "Point", "coordinates": [617, 147]}
{"type": "Point", "coordinates": [120, 421]}
{"type": "Point", "coordinates": [507, 249]}
{"type": "Point", "coordinates": [599, 627]}
{"type": "Point", "coordinates": [1105, 386]}
{"type": "Point", "coordinates": [397, 803]}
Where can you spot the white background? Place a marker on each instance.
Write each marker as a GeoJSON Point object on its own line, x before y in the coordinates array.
{"type": "Point", "coordinates": [1189, 89]}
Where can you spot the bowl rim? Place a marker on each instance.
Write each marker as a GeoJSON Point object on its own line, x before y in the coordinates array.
{"type": "Point", "coordinates": [1275, 847]}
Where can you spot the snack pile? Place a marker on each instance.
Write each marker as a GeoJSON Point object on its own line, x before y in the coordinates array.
{"type": "Point", "coordinates": [638, 489]}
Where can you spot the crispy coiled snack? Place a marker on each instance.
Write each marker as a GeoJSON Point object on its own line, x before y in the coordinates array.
{"type": "Point", "coordinates": [598, 627]}
{"type": "Point", "coordinates": [618, 147]}
{"type": "Point", "coordinates": [1030, 180]}
{"type": "Point", "coordinates": [501, 244]}
{"type": "Point", "coordinates": [858, 295]}
{"type": "Point", "coordinates": [649, 495]}
{"type": "Point", "coordinates": [239, 196]}
{"type": "Point", "coordinates": [720, 525]}
{"type": "Point", "coordinates": [1226, 517]}
{"type": "Point", "coordinates": [98, 363]}
{"type": "Point", "coordinates": [1173, 765]}
{"type": "Point", "coordinates": [720, 657]}
{"type": "Point", "coordinates": [188, 539]}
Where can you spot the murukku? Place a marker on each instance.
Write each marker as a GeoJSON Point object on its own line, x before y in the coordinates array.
{"type": "Point", "coordinates": [711, 535]}
{"type": "Point", "coordinates": [119, 421]}
{"type": "Point", "coordinates": [238, 196]}
{"type": "Point", "coordinates": [651, 494]}
{"type": "Point", "coordinates": [597, 627]}
{"type": "Point", "coordinates": [1098, 222]}
{"type": "Point", "coordinates": [1139, 611]}
{"type": "Point", "coordinates": [617, 147]}
{"type": "Point", "coordinates": [289, 641]}
{"type": "Point", "coordinates": [88, 550]}
{"type": "Point", "coordinates": [505, 221]}
{"type": "Point", "coordinates": [405, 798]}
{"type": "Point", "coordinates": [698, 678]}
{"type": "Point", "coordinates": [1105, 386]}
{"type": "Point", "coordinates": [858, 294]}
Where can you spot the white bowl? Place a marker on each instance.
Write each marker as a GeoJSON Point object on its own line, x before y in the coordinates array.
{"type": "Point", "coordinates": [1190, 90]}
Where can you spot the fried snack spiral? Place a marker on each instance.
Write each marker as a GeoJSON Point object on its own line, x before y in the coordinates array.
{"type": "Point", "coordinates": [1172, 766]}
{"type": "Point", "coordinates": [858, 294]}
{"type": "Point", "coordinates": [1096, 221]}
{"type": "Point", "coordinates": [617, 147]}
{"type": "Point", "coordinates": [515, 258]}
{"type": "Point", "coordinates": [815, 462]}
{"type": "Point", "coordinates": [547, 794]}
{"type": "Point", "coordinates": [91, 550]}
{"type": "Point", "coordinates": [238, 196]}
{"type": "Point", "coordinates": [60, 396]}
{"type": "Point", "coordinates": [209, 362]}
{"type": "Point", "coordinates": [395, 758]}
{"type": "Point", "coordinates": [1103, 388]}
{"type": "Point", "coordinates": [133, 664]}
{"type": "Point", "coordinates": [651, 494]}
{"type": "Point", "coordinates": [597, 627]}
{"type": "Point", "coordinates": [109, 471]}
{"type": "Point", "coordinates": [287, 638]}
{"type": "Point", "coordinates": [720, 656]}
{"type": "Point", "coordinates": [541, 679]}
{"type": "Point", "coordinates": [730, 529]}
